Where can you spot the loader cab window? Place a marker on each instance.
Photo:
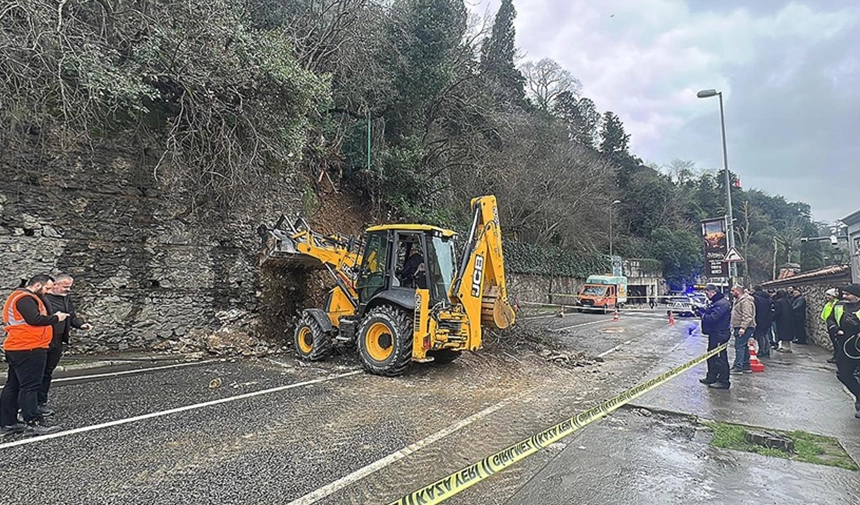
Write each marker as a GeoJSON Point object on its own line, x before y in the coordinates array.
{"type": "Point", "coordinates": [440, 267]}
{"type": "Point", "coordinates": [372, 278]}
{"type": "Point", "coordinates": [410, 269]}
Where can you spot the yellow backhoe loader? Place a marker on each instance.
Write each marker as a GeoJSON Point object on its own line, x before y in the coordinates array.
{"type": "Point", "coordinates": [399, 294]}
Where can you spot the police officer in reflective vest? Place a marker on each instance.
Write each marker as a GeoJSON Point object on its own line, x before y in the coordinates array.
{"type": "Point", "coordinates": [832, 296]}
{"type": "Point", "coordinates": [28, 335]}
{"type": "Point", "coordinates": [843, 325]}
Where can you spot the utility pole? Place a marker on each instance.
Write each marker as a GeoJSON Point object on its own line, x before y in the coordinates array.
{"type": "Point", "coordinates": [733, 267]}
{"type": "Point", "coordinates": [730, 220]}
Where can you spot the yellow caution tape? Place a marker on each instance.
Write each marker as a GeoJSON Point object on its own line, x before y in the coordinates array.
{"type": "Point", "coordinates": [448, 486]}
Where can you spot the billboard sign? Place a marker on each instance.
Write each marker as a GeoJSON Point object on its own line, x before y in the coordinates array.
{"type": "Point", "coordinates": [716, 247]}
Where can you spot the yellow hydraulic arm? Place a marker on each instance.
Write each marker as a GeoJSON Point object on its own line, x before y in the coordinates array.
{"type": "Point", "coordinates": [480, 285]}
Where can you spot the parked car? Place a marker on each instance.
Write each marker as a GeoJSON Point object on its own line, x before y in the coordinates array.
{"type": "Point", "coordinates": [682, 307]}
{"type": "Point", "coordinates": [699, 303]}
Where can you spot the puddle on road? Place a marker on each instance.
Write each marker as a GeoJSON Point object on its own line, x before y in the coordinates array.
{"type": "Point", "coordinates": [807, 447]}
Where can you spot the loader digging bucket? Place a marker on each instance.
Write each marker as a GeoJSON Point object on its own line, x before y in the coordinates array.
{"type": "Point", "coordinates": [279, 251]}
{"type": "Point", "coordinates": [495, 311]}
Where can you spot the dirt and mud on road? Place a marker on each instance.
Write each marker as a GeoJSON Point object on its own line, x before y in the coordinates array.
{"type": "Point", "coordinates": [272, 429]}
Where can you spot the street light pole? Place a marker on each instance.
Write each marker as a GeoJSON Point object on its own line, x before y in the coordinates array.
{"type": "Point", "coordinates": [730, 225]}
{"type": "Point", "coordinates": [610, 227]}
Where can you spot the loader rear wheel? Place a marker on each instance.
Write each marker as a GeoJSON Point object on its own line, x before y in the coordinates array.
{"type": "Point", "coordinates": [444, 356]}
{"type": "Point", "coordinates": [385, 341]}
{"type": "Point", "coordinates": [310, 341]}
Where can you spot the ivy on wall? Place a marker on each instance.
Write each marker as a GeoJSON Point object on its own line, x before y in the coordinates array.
{"type": "Point", "coordinates": [525, 258]}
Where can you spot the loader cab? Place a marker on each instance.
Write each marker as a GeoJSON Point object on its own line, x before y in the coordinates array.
{"type": "Point", "coordinates": [399, 259]}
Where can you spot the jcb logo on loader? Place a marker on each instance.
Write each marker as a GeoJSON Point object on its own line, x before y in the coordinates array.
{"type": "Point", "coordinates": [478, 275]}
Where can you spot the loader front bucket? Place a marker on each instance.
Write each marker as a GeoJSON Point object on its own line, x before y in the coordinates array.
{"type": "Point", "coordinates": [279, 251]}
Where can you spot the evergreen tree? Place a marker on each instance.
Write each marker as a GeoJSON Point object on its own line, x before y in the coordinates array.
{"type": "Point", "coordinates": [580, 117]}
{"type": "Point", "coordinates": [614, 141]}
{"type": "Point", "coordinates": [497, 56]}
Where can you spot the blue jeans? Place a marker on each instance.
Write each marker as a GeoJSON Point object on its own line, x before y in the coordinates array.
{"type": "Point", "coordinates": [742, 349]}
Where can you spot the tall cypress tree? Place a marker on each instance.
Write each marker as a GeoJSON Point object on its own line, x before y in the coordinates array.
{"type": "Point", "coordinates": [614, 141]}
{"type": "Point", "coordinates": [498, 53]}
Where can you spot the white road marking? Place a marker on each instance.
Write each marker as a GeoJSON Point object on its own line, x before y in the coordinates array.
{"type": "Point", "coordinates": [583, 324]}
{"type": "Point", "coordinates": [540, 317]}
{"type": "Point", "coordinates": [617, 347]}
{"type": "Point", "coordinates": [186, 408]}
{"type": "Point", "coordinates": [136, 370]}
{"type": "Point", "coordinates": [379, 464]}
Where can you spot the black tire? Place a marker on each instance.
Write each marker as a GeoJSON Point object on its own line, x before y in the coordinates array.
{"type": "Point", "coordinates": [310, 342]}
{"type": "Point", "coordinates": [397, 347]}
{"type": "Point", "coordinates": [444, 356]}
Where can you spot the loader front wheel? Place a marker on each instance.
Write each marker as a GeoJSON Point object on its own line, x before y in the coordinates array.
{"type": "Point", "coordinates": [311, 343]}
{"type": "Point", "coordinates": [385, 341]}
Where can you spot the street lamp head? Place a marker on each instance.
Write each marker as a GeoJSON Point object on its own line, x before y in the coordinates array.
{"type": "Point", "coordinates": [616, 202]}
{"type": "Point", "coordinates": [707, 93]}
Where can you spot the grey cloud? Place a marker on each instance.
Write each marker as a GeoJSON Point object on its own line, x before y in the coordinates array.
{"type": "Point", "coordinates": [798, 137]}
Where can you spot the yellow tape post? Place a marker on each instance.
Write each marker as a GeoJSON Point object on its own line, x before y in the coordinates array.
{"type": "Point", "coordinates": [449, 486]}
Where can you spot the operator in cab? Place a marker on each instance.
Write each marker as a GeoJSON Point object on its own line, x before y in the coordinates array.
{"type": "Point", "coordinates": [411, 268]}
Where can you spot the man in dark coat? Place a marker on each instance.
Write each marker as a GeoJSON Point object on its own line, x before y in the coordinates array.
{"type": "Point", "coordinates": [783, 319]}
{"type": "Point", "coordinates": [798, 308]}
{"type": "Point", "coordinates": [716, 324]}
{"type": "Point", "coordinates": [763, 320]}
{"type": "Point", "coordinates": [58, 301]}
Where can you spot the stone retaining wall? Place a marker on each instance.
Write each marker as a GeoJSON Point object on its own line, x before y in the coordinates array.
{"type": "Point", "coordinates": [147, 267]}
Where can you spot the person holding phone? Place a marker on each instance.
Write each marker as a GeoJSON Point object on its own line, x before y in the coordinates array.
{"type": "Point", "coordinates": [59, 300]}
{"type": "Point", "coordinates": [29, 332]}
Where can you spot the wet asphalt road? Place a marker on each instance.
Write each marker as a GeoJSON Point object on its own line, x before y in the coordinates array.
{"type": "Point", "coordinates": [647, 457]}
{"type": "Point", "coordinates": [279, 446]}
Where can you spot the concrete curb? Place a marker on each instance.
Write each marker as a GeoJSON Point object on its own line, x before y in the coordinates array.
{"type": "Point", "coordinates": [85, 364]}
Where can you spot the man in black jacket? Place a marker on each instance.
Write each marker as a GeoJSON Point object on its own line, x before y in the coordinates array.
{"type": "Point", "coordinates": [763, 320]}
{"type": "Point", "coordinates": [58, 301]}
{"type": "Point", "coordinates": [798, 309]}
{"type": "Point", "coordinates": [843, 324]}
{"type": "Point", "coordinates": [716, 324]}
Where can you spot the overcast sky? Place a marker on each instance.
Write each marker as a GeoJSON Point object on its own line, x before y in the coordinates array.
{"type": "Point", "coordinates": [789, 72]}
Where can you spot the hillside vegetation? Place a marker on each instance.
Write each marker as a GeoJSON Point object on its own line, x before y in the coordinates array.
{"type": "Point", "coordinates": [223, 91]}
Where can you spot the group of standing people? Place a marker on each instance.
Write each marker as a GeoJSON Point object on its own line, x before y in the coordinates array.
{"type": "Point", "coordinates": [748, 317]}
{"type": "Point", "coordinates": [789, 319]}
{"type": "Point", "coordinates": [37, 318]}
{"type": "Point", "coordinates": [775, 320]}
{"type": "Point", "coordinates": [782, 314]}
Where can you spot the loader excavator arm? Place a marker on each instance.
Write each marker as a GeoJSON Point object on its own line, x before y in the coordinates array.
{"type": "Point", "coordinates": [299, 247]}
{"type": "Point", "coordinates": [479, 284]}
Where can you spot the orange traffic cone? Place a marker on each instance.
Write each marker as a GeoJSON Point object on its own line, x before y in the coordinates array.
{"type": "Point", "coordinates": [671, 318]}
{"type": "Point", "coordinates": [615, 317]}
{"type": "Point", "coordinates": [755, 364]}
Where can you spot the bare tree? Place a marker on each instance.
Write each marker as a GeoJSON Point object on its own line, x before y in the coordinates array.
{"type": "Point", "coordinates": [681, 171]}
{"type": "Point", "coordinates": [550, 186]}
{"type": "Point", "coordinates": [546, 79]}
